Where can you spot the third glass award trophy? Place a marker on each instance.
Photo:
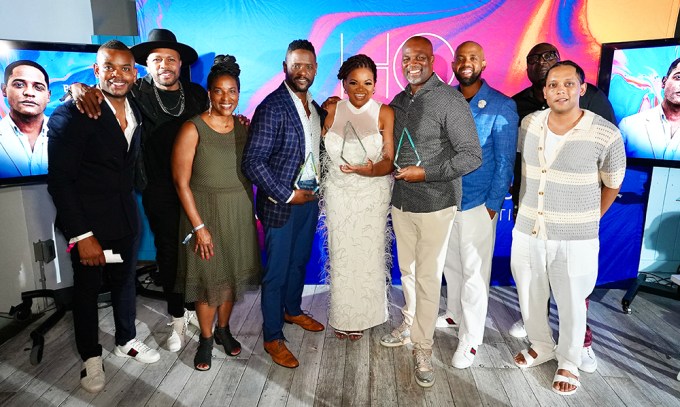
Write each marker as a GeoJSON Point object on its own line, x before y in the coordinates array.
{"type": "Point", "coordinates": [406, 154]}
{"type": "Point", "coordinates": [308, 177]}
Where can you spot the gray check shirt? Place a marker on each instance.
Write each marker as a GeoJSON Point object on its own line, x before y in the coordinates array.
{"type": "Point", "coordinates": [444, 133]}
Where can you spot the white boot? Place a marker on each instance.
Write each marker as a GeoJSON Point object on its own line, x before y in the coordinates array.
{"type": "Point", "coordinates": [177, 334]}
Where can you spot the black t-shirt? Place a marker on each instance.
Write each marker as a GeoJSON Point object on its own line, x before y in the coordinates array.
{"type": "Point", "coordinates": [159, 129]}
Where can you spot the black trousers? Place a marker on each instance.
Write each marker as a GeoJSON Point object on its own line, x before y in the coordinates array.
{"type": "Point", "coordinates": [162, 207]}
{"type": "Point", "coordinates": [87, 281]}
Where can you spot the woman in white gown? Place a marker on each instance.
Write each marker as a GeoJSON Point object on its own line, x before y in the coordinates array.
{"type": "Point", "coordinates": [356, 192]}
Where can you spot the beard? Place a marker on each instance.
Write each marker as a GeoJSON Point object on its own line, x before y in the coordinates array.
{"type": "Point", "coordinates": [468, 81]}
{"type": "Point", "coordinates": [297, 87]}
{"type": "Point", "coordinates": [425, 73]}
{"type": "Point", "coordinates": [167, 82]}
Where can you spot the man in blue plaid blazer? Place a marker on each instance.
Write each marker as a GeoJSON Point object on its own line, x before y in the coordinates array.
{"type": "Point", "coordinates": [285, 130]}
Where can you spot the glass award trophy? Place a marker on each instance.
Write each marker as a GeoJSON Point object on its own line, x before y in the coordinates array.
{"type": "Point", "coordinates": [406, 154]}
{"type": "Point", "coordinates": [353, 151]}
{"type": "Point", "coordinates": [308, 177]}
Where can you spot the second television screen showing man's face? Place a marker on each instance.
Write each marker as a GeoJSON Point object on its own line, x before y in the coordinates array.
{"type": "Point", "coordinates": [671, 87]}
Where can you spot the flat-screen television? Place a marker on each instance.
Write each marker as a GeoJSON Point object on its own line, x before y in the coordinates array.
{"type": "Point", "coordinates": [64, 64]}
{"type": "Point", "coordinates": [631, 73]}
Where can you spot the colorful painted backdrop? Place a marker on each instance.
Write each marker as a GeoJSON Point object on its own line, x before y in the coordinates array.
{"type": "Point", "coordinates": [257, 33]}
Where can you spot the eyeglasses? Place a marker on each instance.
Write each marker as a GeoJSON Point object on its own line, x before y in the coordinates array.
{"type": "Point", "coordinates": [547, 56]}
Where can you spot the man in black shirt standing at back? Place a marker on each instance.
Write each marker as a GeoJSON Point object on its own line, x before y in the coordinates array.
{"type": "Point", "coordinates": [539, 60]}
{"type": "Point", "coordinates": [541, 57]}
{"type": "Point", "coordinates": [166, 102]}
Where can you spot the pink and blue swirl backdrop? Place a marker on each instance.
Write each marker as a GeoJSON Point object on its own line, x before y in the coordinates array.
{"type": "Point", "coordinates": [258, 33]}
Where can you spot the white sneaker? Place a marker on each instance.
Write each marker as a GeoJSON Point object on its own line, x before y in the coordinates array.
{"type": "Point", "coordinates": [517, 330]}
{"type": "Point", "coordinates": [446, 321]}
{"type": "Point", "coordinates": [588, 360]}
{"type": "Point", "coordinates": [92, 376]}
{"type": "Point", "coordinates": [176, 338]}
{"type": "Point", "coordinates": [191, 318]}
{"type": "Point", "coordinates": [464, 356]}
{"type": "Point", "coordinates": [137, 350]}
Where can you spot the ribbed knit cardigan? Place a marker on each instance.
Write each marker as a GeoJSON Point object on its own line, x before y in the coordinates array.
{"type": "Point", "coordinates": [560, 200]}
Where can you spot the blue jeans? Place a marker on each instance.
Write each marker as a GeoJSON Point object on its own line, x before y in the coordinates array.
{"type": "Point", "coordinates": [288, 250]}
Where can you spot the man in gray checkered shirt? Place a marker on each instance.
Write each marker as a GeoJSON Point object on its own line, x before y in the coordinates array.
{"type": "Point", "coordinates": [442, 147]}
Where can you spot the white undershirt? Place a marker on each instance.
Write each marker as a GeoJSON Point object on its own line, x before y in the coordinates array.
{"type": "Point", "coordinates": [551, 141]}
{"type": "Point", "coordinates": [311, 125]}
{"type": "Point", "coordinates": [129, 117]}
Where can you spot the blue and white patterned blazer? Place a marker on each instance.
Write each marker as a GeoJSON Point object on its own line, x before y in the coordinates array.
{"type": "Point", "coordinates": [274, 153]}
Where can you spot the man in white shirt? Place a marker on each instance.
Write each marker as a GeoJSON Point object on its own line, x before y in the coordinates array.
{"type": "Point", "coordinates": [23, 132]}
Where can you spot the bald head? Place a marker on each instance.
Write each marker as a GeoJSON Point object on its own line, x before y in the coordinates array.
{"type": "Point", "coordinates": [470, 45]}
{"type": "Point", "coordinates": [420, 41]}
{"type": "Point", "coordinates": [468, 63]}
{"type": "Point", "coordinates": [541, 57]}
{"type": "Point", "coordinates": [542, 47]}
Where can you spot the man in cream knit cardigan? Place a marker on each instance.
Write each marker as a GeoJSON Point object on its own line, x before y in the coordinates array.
{"type": "Point", "coordinates": [573, 163]}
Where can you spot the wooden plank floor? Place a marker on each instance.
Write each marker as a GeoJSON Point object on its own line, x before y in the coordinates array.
{"type": "Point", "coordinates": [639, 358]}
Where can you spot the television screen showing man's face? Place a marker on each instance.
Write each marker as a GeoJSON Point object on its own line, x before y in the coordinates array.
{"type": "Point", "coordinates": [27, 91]}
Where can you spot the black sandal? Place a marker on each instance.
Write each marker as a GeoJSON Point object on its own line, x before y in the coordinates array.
{"type": "Point", "coordinates": [223, 336]}
{"type": "Point", "coordinates": [203, 353]}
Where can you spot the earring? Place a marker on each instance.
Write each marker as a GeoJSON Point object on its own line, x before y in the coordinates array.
{"type": "Point", "coordinates": [209, 108]}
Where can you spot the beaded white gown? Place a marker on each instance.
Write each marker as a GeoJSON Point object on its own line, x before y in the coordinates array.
{"type": "Point", "coordinates": [355, 209]}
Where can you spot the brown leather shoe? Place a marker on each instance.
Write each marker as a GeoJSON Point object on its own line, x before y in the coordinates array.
{"type": "Point", "coordinates": [305, 321]}
{"type": "Point", "coordinates": [280, 354]}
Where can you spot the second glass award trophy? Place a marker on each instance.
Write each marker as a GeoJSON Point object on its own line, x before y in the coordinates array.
{"type": "Point", "coordinates": [406, 154]}
{"type": "Point", "coordinates": [308, 177]}
{"type": "Point", "coordinates": [353, 151]}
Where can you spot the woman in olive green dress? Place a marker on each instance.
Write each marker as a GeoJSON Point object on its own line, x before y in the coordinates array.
{"type": "Point", "coordinates": [220, 256]}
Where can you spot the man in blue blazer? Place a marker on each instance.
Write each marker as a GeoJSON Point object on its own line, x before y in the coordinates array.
{"type": "Point", "coordinates": [285, 132]}
{"type": "Point", "coordinates": [468, 262]}
{"type": "Point", "coordinates": [90, 178]}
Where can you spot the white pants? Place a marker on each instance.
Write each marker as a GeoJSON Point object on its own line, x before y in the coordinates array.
{"type": "Point", "coordinates": [569, 269]}
{"type": "Point", "coordinates": [422, 240]}
{"type": "Point", "coordinates": [468, 271]}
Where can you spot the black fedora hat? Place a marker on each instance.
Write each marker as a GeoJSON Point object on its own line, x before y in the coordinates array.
{"type": "Point", "coordinates": [162, 38]}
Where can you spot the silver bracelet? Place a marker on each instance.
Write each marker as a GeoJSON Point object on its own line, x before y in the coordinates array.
{"type": "Point", "coordinates": [191, 234]}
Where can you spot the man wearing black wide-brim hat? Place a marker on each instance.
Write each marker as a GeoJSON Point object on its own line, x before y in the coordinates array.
{"type": "Point", "coordinates": [166, 102]}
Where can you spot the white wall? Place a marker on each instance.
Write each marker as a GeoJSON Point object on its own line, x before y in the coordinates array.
{"type": "Point", "coordinates": [27, 213]}
{"type": "Point", "coordinates": [661, 241]}
{"type": "Point", "coordinates": [16, 262]}
{"type": "Point", "coordinates": [47, 20]}
{"type": "Point", "coordinates": [26, 217]}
